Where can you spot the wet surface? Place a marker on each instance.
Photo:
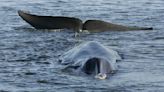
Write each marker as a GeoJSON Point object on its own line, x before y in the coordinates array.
{"type": "Point", "coordinates": [28, 57]}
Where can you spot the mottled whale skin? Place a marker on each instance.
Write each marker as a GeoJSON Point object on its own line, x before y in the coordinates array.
{"type": "Point", "coordinates": [91, 58]}
{"type": "Point", "coordinates": [51, 22]}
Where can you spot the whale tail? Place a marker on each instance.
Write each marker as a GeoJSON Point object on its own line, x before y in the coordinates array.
{"type": "Point", "coordinates": [61, 22]}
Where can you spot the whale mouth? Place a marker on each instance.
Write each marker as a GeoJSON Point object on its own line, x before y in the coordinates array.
{"type": "Point", "coordinates": [92, 66]}
{"type": "Point", "coordinates": [97, 67]}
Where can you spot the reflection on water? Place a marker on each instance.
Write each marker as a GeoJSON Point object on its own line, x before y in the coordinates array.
{"type": "Point", "coordinates": [28, 57]}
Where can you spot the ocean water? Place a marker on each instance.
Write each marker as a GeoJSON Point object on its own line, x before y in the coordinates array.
{"type": "Point", "coordinates": [29, 57]}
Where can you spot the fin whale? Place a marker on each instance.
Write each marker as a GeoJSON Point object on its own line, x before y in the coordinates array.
{"type": "Point", "coordinates": [61, 22]}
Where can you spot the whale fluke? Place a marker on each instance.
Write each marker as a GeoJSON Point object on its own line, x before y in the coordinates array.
{"type": "Point", "coordinates": [99, 26]}
{"type": "Point", "coordinates": [61, 22]}
{"type": "Point", "coordinates": [51, 22]}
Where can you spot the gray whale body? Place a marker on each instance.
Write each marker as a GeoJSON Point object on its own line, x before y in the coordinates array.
{"type": "Point", "coordinates": [91, 58]}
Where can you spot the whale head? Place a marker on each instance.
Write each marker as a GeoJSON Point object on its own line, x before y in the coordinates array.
{"type": "Point", "coordinates": [91, 58]}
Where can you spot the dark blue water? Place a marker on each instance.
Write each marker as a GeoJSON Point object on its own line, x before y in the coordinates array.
{"type": "Point", "coordinates": [28, 57]}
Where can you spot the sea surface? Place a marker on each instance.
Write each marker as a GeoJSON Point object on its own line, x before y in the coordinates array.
{"type": "Point", "coordinates": [29, 57]}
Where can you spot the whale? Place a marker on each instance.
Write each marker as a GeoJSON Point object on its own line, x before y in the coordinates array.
{"type": "Point", "coordinates": [51, 22]}
{"type": "Point", "coordinates": [72, 23]}
{"type": "Point", "coordinates": [91, 58]}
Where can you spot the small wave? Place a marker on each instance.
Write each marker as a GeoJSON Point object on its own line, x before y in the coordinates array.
{"type": "Point", "coordinates": [7, 8]}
